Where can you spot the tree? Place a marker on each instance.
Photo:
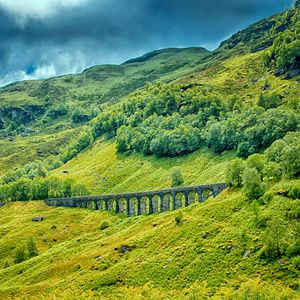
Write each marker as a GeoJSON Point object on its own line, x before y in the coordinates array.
{"type": "Point", "coordinates": [176, 177]}
{"type": "Point", "coordinates": [274, 238]}
{"type": "Point", "coordinates": [252, 183]}
{"type": "Point", "coordinates": [31, 248]}
{"type": "Point", "coordinates": [291, 160]}
{"type": "Point", "coordinates": [256, 161]}
{"type": "Point", "coordinates": [20, 255]}
{"type": "Point", "coordinates": [272, 172]}
{"type": "Point", "coordinates": [79, 115]}
{"type": "Point", "coordinates": [234, 172]}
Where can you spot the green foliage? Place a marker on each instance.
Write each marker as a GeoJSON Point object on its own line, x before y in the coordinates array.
{"type": "Point", "coordinates": [269, 100]}
{"type": "Point", "coordinates": [285, 53]}
{"type": "Point", "coordinates": [295, 191]}
{"type": "Point", "coordinates": [274, 238]}
{"type": "Point", "coordinates": [272, 172]}
{"type": "Point", "coordinates": [234, 172]}
{"type": "Point", "coordinates": [104, 225]}
{"type": "Point", "coordinates": [41, 188]}
{"type": "Point", "coordinates": [79, 115]}
{"type": "Point", "coordinates": [20, 254]}
{"type": "Point", "coordinates": [31, 170]}
{"type": "Point", "coordinates": [31, 248]}
{"type": "Point", "coordinates": [176, 177]}
{"type": "Point", "coordinates": [58, 111]}
{"type": "Point", "coordinates": [286, 153]}
{"type": "Point", "coordinates": [84, 140]}
{"type": "Point", "coordinates": [179, 218]}
{"type": "Point", "coordinates": [252, 183]}
{"type": "Point", "coordinates": [267, 197]}
{"type": "Point", "coordinates": [256, 161]}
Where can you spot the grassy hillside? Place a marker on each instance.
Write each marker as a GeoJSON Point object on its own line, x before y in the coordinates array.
{"type": "Point", "coordinates": [216, 253]}
{"type": "Point", "coordinates": [105, 171]}
{"type": "Point", "coordinates": [232, 114]}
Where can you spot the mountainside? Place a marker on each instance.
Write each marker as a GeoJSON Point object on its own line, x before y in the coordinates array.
{"type": "Point", "coordinates": [170, 117]}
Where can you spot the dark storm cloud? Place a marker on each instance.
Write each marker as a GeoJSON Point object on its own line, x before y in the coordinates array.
{"type": "Point", "coordinates": [110, 31]}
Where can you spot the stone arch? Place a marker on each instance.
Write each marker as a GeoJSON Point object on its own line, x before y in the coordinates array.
{"type": "Point", "coordinates": [111, 204]}
{"type": "Point", "coordinates": [133, 206]}
{"type": "Point", "coordinates": [193, 197]}
{"type": "Point", "coordinates": [207, 193]}
{"type": "Point", "coordinates": [155, 203]}
{"type": "Point", "coordinates": [179, 200]}
{"type": "Point", "coordinates": [144, 205]}
{"type": "Point", "coordinates": [166, 202]}
{"type": "Point", "coordinates": [90, 204]}
{"type": "Point", "coordinates": [122, 205]}
{"type": "Point", "coordinates": [100, 204]}
{"type": "Point", "coordinates": [79, 203]}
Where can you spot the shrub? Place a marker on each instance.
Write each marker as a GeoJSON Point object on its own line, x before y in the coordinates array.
{"type": "Point", "coordinates": [176, 177]}
{"type": "Point", "coordinates": [79, 115]}
{"type": "Point", "coordinates": [295, 192]}
{"type": "Point", "coordinates": [296, 262]}
{"type": "Point", "coordinates": [20, 255]}
{"type": "Point", "coordinates": [57, 111]}
{"type": "Point", "coordinates": [234, 172]}
{"type": "Point", "coordinates": [267, 197]}
{"type": "Point", "coordinates": [6, 264]}
{"type": "Point", "coordinates": [274, 239]}
{"type": "Point", "coordinates": [272, 172]}
{"type": "Point", "coordinates": [179, 218]}
{"type": "Point", "coordinates": [293, 250]}
{"type": "Point", "coordinates": [252, 183]}
{"type": "Point", "coordinates": [31, 248]}
{"type": "Point", "coordinates": [104, 225]}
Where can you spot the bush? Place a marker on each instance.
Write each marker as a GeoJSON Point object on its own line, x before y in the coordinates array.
{"type": "Point", "coordinates": [234, 172]}
{"type": "Point", "coordinates": [274, 239]}
{"type": "Point", "coordinates": [20, 255]}
{"type": "Point", "coordinates": [295, 192]}
{"type": "Point", "coordinates": [293, 250]}
{"type": "Point", "coordinates": [31, 248]}
{"type": "Point", "coordinates": [58, 111]}
{"type": "Point", "coordinates": [176, 177]}
{"type": "Point", "coordinates": [179, 218]}
{"type": "Point", "coordinates": [252, 183]}
{"type": "Point", "coordinates": [267, 197]}
{"type": "Point", "coordinates": [79, 115]}
{"type": "Point", "coordinates": [296, 262]}
{"type": "Point", "coordinates": [104, 225]}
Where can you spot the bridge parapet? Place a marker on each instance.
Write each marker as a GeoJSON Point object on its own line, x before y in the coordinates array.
{"type": "Point", "coordinates": [147, 202]}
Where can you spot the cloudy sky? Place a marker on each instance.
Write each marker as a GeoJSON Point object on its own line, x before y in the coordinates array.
{"type": "Point", "coordinates": [44, 38]}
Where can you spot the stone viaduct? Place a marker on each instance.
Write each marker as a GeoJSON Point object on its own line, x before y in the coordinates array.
{"type": "Point", "coordinates": [143, 203]}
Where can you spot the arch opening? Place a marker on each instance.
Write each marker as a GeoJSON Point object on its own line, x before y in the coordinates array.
{"type": "Point", "coordinates": [155, 204]}
{"type": "Point", "coordinates": [144, 205]}
{"type": "Point", "coordinates": [193, 197]}
{"type": "Point", "coordinates": [133, 206]}
{"type": "Point", "coordinates": [122, 206]}
{"type": "Point", "coordinates": [207, 193]}
{"type": "Point", "coordinates": [166, 202]}
{"type": "Point", "coordinates": [179, 200]}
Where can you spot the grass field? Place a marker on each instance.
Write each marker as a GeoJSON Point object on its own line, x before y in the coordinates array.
{"type": "Point", "coordinates": [105, 171]}
{"type": "Point", "coordinates": [202, 258]}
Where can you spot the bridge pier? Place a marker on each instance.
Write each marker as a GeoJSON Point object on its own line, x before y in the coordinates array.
{"type": "Point", "coordinates": [96, 205]}
{"type": "Point", "coordinates": [136, 203]}
{"type": "Point", "coordinates": [117, 205]}
{"type": "Point", "coordinates": [139, 212]}
{"type": "Point", "coordinates": [150, 205]}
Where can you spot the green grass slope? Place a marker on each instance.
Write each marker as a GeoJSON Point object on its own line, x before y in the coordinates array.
{"type": "Point", "coordinates": [215, 253]}
{"type": "Point", "coordinates": [221, 249]}
{"type": "Point", "coordinates": [104, 171]}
